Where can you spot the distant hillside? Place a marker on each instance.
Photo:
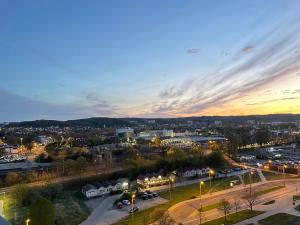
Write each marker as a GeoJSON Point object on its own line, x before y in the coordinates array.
{"type": "Point", "coordinates": [121, 122]}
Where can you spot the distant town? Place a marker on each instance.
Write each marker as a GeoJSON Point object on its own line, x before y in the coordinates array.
{"type": "Point", "coordinates": [111, 171]}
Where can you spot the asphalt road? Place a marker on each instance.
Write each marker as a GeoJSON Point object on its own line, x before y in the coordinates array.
{"type": "Point", "coordinates": [187, 212]}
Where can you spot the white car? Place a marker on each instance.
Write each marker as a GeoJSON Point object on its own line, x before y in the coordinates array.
{"type": "Point", "coordinates": [126, 202]}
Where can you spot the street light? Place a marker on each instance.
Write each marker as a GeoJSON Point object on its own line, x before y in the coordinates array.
{"type": "Point", "coordinates": [283, 170]}
{"type": "Point", "coordinates": [250, 179]}
{"type": "Point", "coordinates": [210, 172]}
{"type": "Point", "coordinates": [132, 200]}
{"type": "Point", "coordinates": [27, 221]}
{"type": "Point", "coordinates": [171, 180]}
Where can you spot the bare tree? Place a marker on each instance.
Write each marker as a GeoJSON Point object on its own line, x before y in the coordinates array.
{"type": "Point", "coordinates": [163, 217]}
{"type": "Point", "coordinates": [250, 200]}
{"type": "Point", "coordinates": [237, 205]}
{"type": "Point", "coordinates": [225, 206]}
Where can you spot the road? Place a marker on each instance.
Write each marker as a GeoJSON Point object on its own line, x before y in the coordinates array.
{"type": "Point", "coordinates": [187, 212]}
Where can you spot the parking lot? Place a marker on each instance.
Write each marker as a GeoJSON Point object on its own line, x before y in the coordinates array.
{"type": "Point", "coordinates": [104, 213]}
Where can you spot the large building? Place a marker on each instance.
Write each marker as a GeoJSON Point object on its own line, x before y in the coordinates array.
{"type": "Point", "coordinates": [126, 133]}
{"type": "Point", "coordinates": [150, 134]}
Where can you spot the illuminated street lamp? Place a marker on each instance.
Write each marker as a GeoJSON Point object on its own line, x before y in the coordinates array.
{"type": "Point", "coordinates": [283, 170]}
{"type": "Point", "coordinates": [231, 184]}
{"type": "Point", "coordinates": [27, 221]}
{"type": "Point", "coordinates": [200, 185]}
{"type": "Point", "coordinates": [210, 173]}
{"type": "Point", "coordinates": [132, 201]}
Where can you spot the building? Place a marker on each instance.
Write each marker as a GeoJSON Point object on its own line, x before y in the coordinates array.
{"type": "Point", "coordinates": [45, 140]}
{"type": "Point", "coordinates": [126, 133]}
{"type": "Point", "coordinates": [150, 134]}
{"type": "Point", "coordinates": [154, 179]}
{"type": "Point", "coordinates": [98, 189]}
{"type": "Point", "coordinates": [193, 172]}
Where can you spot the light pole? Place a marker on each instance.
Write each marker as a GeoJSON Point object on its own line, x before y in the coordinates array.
{"type": "Point", "coordinates": [171, 180]}
{"type": "Point", "coordinates": [132, 201]}
{"type": "Point", "coordinates": [283, 170]}
{"type": "Point", "coordinates": [200, 210]}
{"type": "Point", "coordinates": [210, 172]}
{"type": "Point", "coordinates": [250, 180]}
{"type": "Point", "coordinates": [27, 221]}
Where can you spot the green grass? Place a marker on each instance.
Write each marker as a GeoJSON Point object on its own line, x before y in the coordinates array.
{"type": "Point", "coordinates": [280, 219]}
{"type": "Point", "coordinates": [210, 207]}
{"type": "Point", "coordinates": [266, 191]}
{"type": "Point", "coordinates": [269, 202]}
{"type": "Point", "coordinates": [234, 218]}
{"type": "Point", "coordinates": [254, 178]}
{"type": "Point", "coordinates": [69, 209]}
{"type": "Point", "coordinates": [179, 194]}
{"type": "Point", "coordinates": [274, 176]}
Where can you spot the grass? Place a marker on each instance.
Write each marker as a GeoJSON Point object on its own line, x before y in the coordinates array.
{"type": "Point", "coordinates": [69, 209]}
{"type": "Point", "coordinates": [266, 191]}
{"type": "Point", "coordinates": [274, 176]}
{"type": "Point", "coordinates": [269, 202]}
{"type": "Point", "coordinates": [234, 218]}
{"type": "Point", "coordinates": [210, 207]}
{"type": "Point", "coordinates": [254, 178]}
{"type": "Point", "coordinates": [179, 194]}
{"type": "Point", "coordinates": [280, 219]}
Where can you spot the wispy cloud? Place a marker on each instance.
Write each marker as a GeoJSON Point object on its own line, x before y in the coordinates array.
{"type": "Point", "coordinates": [273, 60]}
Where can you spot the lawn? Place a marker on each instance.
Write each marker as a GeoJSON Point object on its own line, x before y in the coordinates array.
{"type": "Point", "coordinates": [254, 178]}
{"type": "Point", "coordinates": [234, 218]}
{"type": "Point", "coordinates": [210, 207]}
{"type": "Point", "coordinates": [280, 219]}
{"type": "Point", "coordinates": [266, 191]}
{"type": "Point", "coordinates": [179, 194]}
{"type": "Point", "coordinates": [69, 210]}
{"type": "Point", "coordinates": [274, 176]}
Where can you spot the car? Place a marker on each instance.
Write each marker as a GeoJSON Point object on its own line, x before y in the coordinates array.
{"type": "Point", "coordinates": [154, 194]}
{"type": "Point", "coordinates": [150, 195]}
{"type": "Point", "coordinates": [119, 205]}
{"type": "Point", "coordinates": [134, 209]}
{"type": "Point", "coordinates": [126, 202]}
{"type": "Point", "coordinates": [145, 197]}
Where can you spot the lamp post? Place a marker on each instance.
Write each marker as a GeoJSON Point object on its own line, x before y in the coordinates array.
{"type": "Point", "coordinates": [211, 172]}
{"type": "Point", "coordinates": [200, 185]}
{"type": "Point", "coordinates": [171, 180]}
{"type": "Point", "coordinates": [27, 221]}
{"type": "Point", "coordinates": [132, 202]}
{"type": "Point", "coordinates": [200, 209]}
{"type": "Point", "coordinates": [283, 170]}
{"type": "Point", "coordinates": [250, 180]}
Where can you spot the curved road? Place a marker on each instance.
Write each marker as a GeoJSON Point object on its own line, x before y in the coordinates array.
{"type": "Point", "coordinates": [187, 212]}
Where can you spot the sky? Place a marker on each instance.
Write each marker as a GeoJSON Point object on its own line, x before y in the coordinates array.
{"type": "Point", "coordinates": [69, 59]}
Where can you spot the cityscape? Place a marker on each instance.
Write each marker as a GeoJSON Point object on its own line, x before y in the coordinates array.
{"type": "Point", "coordinates": [150, 112]}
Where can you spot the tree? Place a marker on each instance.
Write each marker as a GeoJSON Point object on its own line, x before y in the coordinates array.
{"type": "Point", "coordinates": [225, 206]}
{"type": "Point", "coordinates": [176, 154]}
{"type": "Point", "coordinates": [41, 212]}
{"type": "Point", "coordinates": [162, 217]}
{"type": "Point", "coordinates": [13, 178]}
{"type": "Point", "coordinates": [52, 191]}
{"type": "Point", "coordinates": [250, 200]}
{"type": "Point", "coordinates": [237, 205]}
{"type": "Point", "coordinates": [20, 193]}
{"type": "Point", "coordinates": [262, 136]}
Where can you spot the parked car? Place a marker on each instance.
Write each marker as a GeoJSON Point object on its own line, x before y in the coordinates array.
{"type": "Point", "coordinates": [154, 194]}
{"type": "Point", "coordinates": [126, 202]}
{"type": "Point", "coordinates": [134, 209]}
{"type": "Point", "coordinates": [145, 196]}
{"type": "Point", "coordinates": [119, 205]}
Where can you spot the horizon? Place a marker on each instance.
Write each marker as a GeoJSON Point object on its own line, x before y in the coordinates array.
{"type": "Point", "coordinates": [171, 59]}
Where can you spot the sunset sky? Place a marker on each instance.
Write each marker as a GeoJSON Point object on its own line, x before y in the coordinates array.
{"type": "Point", "coordinates": [68, 59]}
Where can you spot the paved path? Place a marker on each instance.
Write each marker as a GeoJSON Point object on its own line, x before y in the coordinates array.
{"type": "Point", "coordinates": [186, 212]}
{"type": "Point", "coordinates": [105, 214]}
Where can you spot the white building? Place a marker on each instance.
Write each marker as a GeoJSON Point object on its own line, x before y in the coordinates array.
{"type": "Point", "coordinates": [126, 133]}
{"type": "Point", "coordinates": [150, 134]}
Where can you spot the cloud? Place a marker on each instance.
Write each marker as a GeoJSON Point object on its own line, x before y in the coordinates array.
{"type": "Point", "coordinates": [15, 106]}
{"type": "Point", "coordinates": [193, 51]}
{"type": "Point", "coordinates": [235, 80]}
{"type": "Point", "coordinates": [248, 49]}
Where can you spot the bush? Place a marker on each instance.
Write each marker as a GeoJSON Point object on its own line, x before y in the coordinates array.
{"type": "Point", "coordinates": [42, 212]}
